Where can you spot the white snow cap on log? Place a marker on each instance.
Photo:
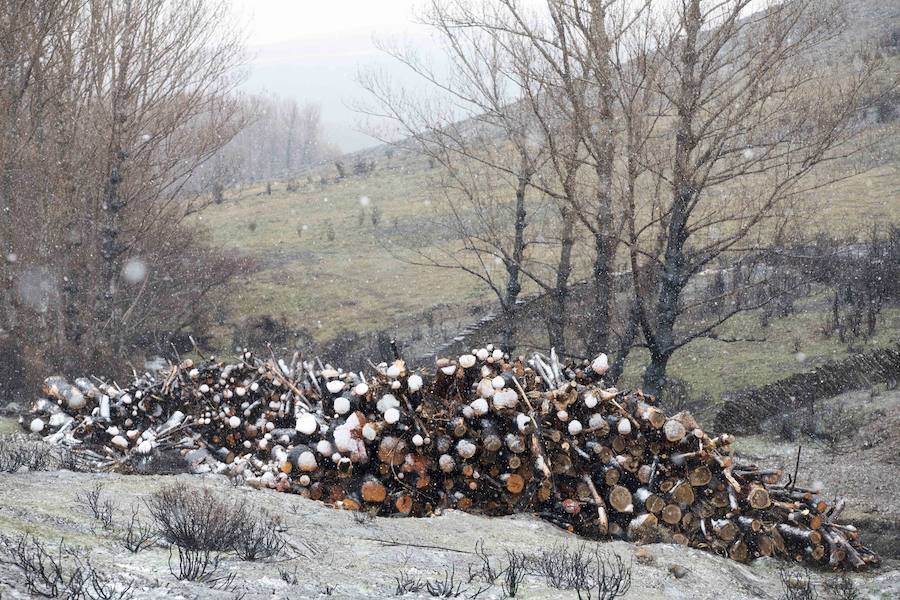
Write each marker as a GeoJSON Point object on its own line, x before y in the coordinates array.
{"type": "Point", "coordinates": [596, 420]}
{"type": "Point", "coordinates": [75, 399]}
{"type": "Point", "coordinates": [600, 364]}
{"type": "Point", "coordinates": [466, 449]}
{"type": "Point", "coordinates": [480, 406]}
{"type": "Point", "coordinates": [387, 401]}
{"type": "Point", "coordinates": [306, 423]}
{"type": "Point", "coordinates": [307, 462]}
{"type": "Point", "coordinates": [342, 405]}
{"type": "Point", "coordinates": [414, 383]}
{"type": "Point", "coordinates": [522, 422]}
{"type": "Point", "coordinates": [506, 399]}
{"type": "Point", "coordinates": [58, 419]}
{"type": "Point", "coordinates": [346, 441]}
{"type": "Point", "coordinates": [391, 415]}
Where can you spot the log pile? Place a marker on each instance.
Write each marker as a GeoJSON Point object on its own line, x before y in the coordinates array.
{"type": "Point", "coordinates": [487, 433]}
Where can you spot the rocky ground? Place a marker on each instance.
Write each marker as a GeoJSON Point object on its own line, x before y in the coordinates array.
{"type": "Point", "coordinates": [863, 466]}
{"type": "Point", "coordinates": [360, 557]}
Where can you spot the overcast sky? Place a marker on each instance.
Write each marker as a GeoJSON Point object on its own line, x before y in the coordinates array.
{"type": "Point", "coordinates": [271, 21]}
{"type": "Point", "coordinates": [312, 50]}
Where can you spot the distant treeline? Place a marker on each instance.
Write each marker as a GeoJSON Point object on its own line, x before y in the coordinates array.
{"type": "Point", "coordinates": [281, 138]}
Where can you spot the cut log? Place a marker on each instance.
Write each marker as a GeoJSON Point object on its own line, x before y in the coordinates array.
{"type": "Point", "coordinates": [671, 514]}
{"type": "Point", "coordinates": [373, 491]}
{"type": "Point", "coordinates": [515, 484]}
{"type": "Point", "coordinates": [758, 497]}
{"type": "Point", "coordinates": [620, 499]}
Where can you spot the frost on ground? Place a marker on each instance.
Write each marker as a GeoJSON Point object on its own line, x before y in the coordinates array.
{"type": "Point", "coordinates": [355, 557]}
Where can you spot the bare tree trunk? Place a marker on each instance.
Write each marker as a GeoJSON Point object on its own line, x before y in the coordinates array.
{"type": "Point", "coordinates": [626, 342]}
{"type": "Point", "coordinates": [514, 264]}
{"type": "Point", "coordinates": [604, 249]}
{"type": "Point", "coordinates": [602, 142]}
{"type": "Point", "coordinates": [557, 319]}
{"type": "Point", "coordinates": [655, 375]}
{"type": "Point", "coordinates": [672, 279]}
{"type": "Point", "coordinates": [7, 253]}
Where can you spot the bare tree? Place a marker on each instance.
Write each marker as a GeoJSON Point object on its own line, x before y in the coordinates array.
{"type": "Point", "coordinates": [281, 138]}
{"type": "Point", "coordinates": [488, 146]}
{"type": "Point", "coordinates": [751, 115]}
{"type": "Point", "coordinates": [109, 106]}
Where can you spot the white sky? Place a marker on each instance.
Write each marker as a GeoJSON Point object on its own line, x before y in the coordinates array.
{"type": "Point", "coordinates": [272, 21]}
{"type": "Point", "coordinates": [312, 50]}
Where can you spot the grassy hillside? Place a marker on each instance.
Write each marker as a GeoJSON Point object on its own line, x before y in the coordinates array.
{"type": "Point", "coordinates": [326, 255]}
{"type": "Point", "coordinates": [792, 344]}
{"type": "Point", "coordinates": [355, 280]}
{"type": "Point", "coordinates": [322, 263]}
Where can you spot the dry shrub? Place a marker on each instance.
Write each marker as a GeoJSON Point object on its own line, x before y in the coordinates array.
{"type": "Point", "coordinates": [199, 519]}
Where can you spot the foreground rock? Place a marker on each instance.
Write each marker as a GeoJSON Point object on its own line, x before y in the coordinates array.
{"type": "Point", "coordinates": [360, 557]}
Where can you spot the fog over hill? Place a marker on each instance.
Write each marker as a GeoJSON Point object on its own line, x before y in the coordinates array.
{"type": "Point", "coordinates": [321, 67]}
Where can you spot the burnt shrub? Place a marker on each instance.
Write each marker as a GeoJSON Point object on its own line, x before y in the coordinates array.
{"type": "Point", "coordinates": [60, 571]}
{"type": "Point", "coordinates": [102, 509]}
{"type": "Point", "coordinates": [563, 568]}
{"type": "Point", "coordinates": [199, 519]}
{"type": "Point", "coordinates": [137, 535]}
{"type": "Point", "coordinates": [797, 586]}
{"type": "Point", "coordinates": [261, 538]}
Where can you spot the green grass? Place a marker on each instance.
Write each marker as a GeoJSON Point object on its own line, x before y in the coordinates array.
{"type": "Point", "coordinates": [355, 282]}
{"type": "Point", "coordinates": [8, 425]}
{"type": "Point", "coordinates": [792, 344]}
{"type": "Point", "coordinates": [351, 282]}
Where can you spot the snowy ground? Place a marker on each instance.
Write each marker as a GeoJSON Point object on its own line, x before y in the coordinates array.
{"type": "Point", "coordinates": [360, 558]}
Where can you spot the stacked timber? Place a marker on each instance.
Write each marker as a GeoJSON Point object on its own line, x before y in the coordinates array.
{"type": "Point", "coordinates": [486, 433]}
